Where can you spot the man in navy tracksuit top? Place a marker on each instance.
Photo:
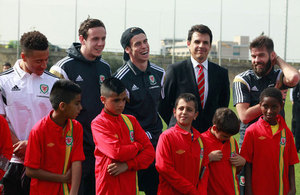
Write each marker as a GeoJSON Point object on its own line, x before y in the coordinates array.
{"type": "Point", "coordinates": [143, 81]}
{"type": "Point", "coordinates": [84, 66]}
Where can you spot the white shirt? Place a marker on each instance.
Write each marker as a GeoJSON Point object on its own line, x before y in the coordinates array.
{"type": "Point", "coordinates": [205, 70]}
{"type": "Point", "coordinates": [24, 100]}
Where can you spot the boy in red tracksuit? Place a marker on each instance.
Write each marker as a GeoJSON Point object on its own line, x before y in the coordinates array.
{"type": "Point", "coordinates": [6, 148]}
{"type": "Point", "coordinates": [122, 146]}
{"type": "Point", "coordinates": [180, 159]}
{"type": "Point", "coordinates": [269, 150]}
{"type": "Point", "coordinates": [223, 153]}
{"type": "Point", "coordinates": [54, 152]}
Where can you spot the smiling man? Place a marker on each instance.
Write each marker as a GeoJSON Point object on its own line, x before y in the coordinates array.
{"type": "Point", "coordinates": [85, 67]}
{"type": "Point", "coordinates": [248, 85]}
{"type": "Point", "coordinates": [24, 100]}
{"type": "Point", "coordinates": [207, 81]}
{"type": "Point", "coordinates": [143, 81]}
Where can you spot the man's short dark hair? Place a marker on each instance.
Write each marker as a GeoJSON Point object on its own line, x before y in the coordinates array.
{"type": "Point", "coordinates": [63, 91]}
{"type": "Point", "coordinates": [271, 92]}
{"type": "Point", "coordinates": [33, 40]}
{"type": "Point", "coordinates": [87, 24]}
{"type": "Point", "coordinates": [226, 121]}
{"type": "Point", "coordinates": [110, 85]}
{"type": "Point", "coordinates": [200, 28]}
{"type": "Point", "coordinates": [187, 97]}
{"type": "Point", "coordinates": [261, 42]}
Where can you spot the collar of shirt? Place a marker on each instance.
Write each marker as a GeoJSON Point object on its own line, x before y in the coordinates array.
{"type": "Point", "coordinates": [196, 134]}
{"type": "Point", "coordinates": [135, 70]}
{"type": "Point", "coordinates": [21, 72]}
{"type": "Point", "coordinates": [195, 64]}
{"type": "Point", "coordinates": [268, 76]}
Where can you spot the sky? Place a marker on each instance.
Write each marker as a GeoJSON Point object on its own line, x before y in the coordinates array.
{"type": "Point", "coordinates": [56, 19]}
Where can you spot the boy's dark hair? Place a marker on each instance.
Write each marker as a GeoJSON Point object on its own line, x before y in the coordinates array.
{"type": "Point", "coordinates": [87, 24]}
{"type": "Point", "coordinates": [271, 92]}
{"type": "Point", "coordinates": [7, 64]}
{"type": "Point", "coordinates": [63, 91]}
{"type": "Point", "coordinates": [200, 28]}
{"type": "Point", "coordinates": [110, 85]}
{"type": "Point", "coordinates": [226, 121]}
{"type": "Point", "coordinates": [33, 40]}
{"type": "Point", "coordinates": [261, 42]}
{"type": "Point", "coordinates": [188, 97]}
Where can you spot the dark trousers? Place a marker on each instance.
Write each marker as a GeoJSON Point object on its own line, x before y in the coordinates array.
{"type": "Point", "coordinates": [297, 128]}
{"type": "Point", "coordinates": [148, 180]}
{"type": "Point", "coordinates": [15, 181]}
{"type": "Point", "coordinates": [87, 185]}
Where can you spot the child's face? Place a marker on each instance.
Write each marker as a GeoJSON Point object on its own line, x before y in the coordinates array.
{"type": "Point", "coordinates": [270, 107]}
{"type": "Point", "coordinates": [220, 135]}
{"type": "Point", "coordinates": [74, 107]}
{"type": "Point", "coordinates": [185, 113]}
{"type": "Point", "coordinates": [114, 104]}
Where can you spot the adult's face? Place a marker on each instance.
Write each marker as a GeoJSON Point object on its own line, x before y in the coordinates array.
{"type": "Point", "coordinates": [139, 49]}
{"type": "Point", "coordinates": [94, 44]}
{"type": "Point", "coordinates": [199, 46]}
{"type": "Point", "coordinates": [35, 61]}
{"type": "Point", "coordinates": [261, 61]}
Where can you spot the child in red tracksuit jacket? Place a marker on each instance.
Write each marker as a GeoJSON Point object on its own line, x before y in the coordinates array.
{"type": "Point", "coordinates": [223, 153]}
{"type": "Point", "coordinates": [180, 159]}
{"type": "Point", "coordinates": [269, 150]}
{"type": "Point", "coordinates": [121, 145]}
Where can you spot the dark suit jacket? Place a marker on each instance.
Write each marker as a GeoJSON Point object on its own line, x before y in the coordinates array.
{"type": "Point", "coordinates": [180, 78]}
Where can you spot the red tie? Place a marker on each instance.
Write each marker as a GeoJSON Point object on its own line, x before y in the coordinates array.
{"type": "Point", "coordinates": [201, 84]}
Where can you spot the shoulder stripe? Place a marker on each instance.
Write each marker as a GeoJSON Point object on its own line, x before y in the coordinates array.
{"type": "Point", "coordinates": [61, 62]}
{"type": "Point", "coordinates": [241, 80]}
{"type": "Point", "coordinates": [50, 74]}
{"type": "Point", "coordinates": [122, 75]}
{"type": "Point", "coordinates": [103, 61]}
{"type": "Point", "coordinates": [154, 66]}
{"type": "Point", "coordinates": [7, 72]}
{"type": "Point", "coordinates": [121, 71]}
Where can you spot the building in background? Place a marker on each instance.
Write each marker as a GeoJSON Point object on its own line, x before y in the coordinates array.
{"type": "Point", "coordinates": [237, 49]}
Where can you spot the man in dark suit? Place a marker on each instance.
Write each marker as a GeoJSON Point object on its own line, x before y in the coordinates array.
{"type": "Point", "coordinates": [210, 85]}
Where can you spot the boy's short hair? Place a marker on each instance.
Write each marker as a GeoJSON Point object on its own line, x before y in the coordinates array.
{"type": "Point", "coordinates": [33, 40]}
{"type": "Point", "coordinates": [271, 92]}
{"type": "Point", "coordinates": [63, 91]}
{"type": "Point", "coordinates": [226, 121]}
{"type": "Point", "coordinates": [87, 24]}
{"type": "Point", "coordinates": [110, 85]}
{"type": "Point", "coordinates": [188, 97]}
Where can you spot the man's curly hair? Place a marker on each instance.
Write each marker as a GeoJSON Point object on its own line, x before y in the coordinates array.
{"type": "Point", "coordinates": [33, 40]}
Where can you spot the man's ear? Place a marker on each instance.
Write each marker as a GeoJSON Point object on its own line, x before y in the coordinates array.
{"type": "Point", "coordinates": [127, 49]}
{"type": "Point", "coordinates": [188, 43]}
{"type": "Point", "coordinates": [273, 55]}
{"type": "Point", "coordinates": [103, 99]}
{"type": "Point", "coordinates": [196, 115]}
{"type": "Point", "coordinates": [82, 40]}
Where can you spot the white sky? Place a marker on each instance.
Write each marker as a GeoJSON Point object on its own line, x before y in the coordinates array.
{"type": "Point", "coordinates": [56, 19]}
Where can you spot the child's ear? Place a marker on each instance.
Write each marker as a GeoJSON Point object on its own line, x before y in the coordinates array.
{"type": "Point", "coordinates": [196, 115]}
{"type": "Point", "coordinates": [174, 112]}
{"type": "Point", "coordinates": [214, 127]}
{"type": "Point", "coordinates": [62, 105]}
{"type": "Point", "coordinates": [102, 98]}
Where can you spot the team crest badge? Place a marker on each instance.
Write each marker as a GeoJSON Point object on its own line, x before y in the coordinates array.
{"type": "Point", "coordinates": [282, 141]}
{"type": "Point", "coordinates": [201, 153]}
{"type": "Point", "coordinates": [242, 181]}
{"type": "Point", "coordinates": [131, 135]}
{"type": "Point", "coordinates": [44, 88]}
{"type": "Point", "coordinates": [101, 78]}
{"type": "Point", "coordinates": [152, 80]}
{"type": "Point", "coordinates": [69, 140]}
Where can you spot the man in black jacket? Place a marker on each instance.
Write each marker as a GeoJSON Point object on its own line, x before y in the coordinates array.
{"type": "Point", "coordinates": [212, 91]}
{"type": "Point", "coordinates": [84, 66]}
